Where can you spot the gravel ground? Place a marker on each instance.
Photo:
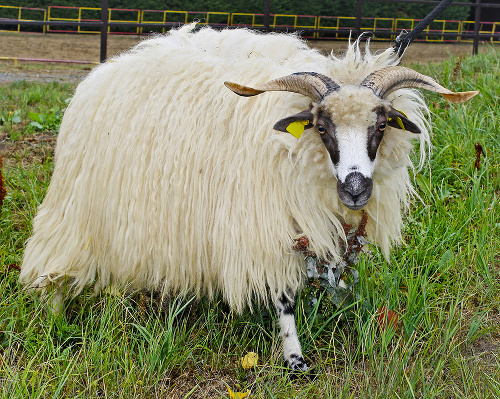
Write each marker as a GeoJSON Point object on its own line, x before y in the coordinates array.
{"type": "Point", "coordinates": [56, 76]}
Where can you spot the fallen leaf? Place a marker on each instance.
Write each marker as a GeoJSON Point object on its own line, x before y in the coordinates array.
{"type": "Point", "coordinates": [237, 395]}
{"type": "Point", "coordinates": [387, 318]}
{"type": "Point", "coordinates": [249, 360]}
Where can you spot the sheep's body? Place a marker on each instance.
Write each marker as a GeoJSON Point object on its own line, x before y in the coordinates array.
{"type": "Point", "coordinates": [164, 179]}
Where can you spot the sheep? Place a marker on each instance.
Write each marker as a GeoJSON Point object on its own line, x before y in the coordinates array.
{"type": "Point", "coordinates": [164, 179]}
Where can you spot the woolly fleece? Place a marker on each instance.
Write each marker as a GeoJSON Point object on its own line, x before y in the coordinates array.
{"type": "Point", "coordinates": [164, 179]}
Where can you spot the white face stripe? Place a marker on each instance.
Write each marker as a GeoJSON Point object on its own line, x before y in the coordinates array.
{"type": "Point", "coordinates": [353, 153]}
{"type": "Point", "coordinates": [352, 110]}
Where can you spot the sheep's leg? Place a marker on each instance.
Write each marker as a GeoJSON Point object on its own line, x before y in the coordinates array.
{"type": "Point", "coordinates": [54, 301]}
{"type": "Point", "coordinates": [292, 350]}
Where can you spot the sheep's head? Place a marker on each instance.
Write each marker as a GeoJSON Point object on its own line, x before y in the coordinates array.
{"type": "Point", "coordinates": [351, 119]}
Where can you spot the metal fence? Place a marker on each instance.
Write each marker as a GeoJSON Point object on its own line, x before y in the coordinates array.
{"type": "Point", "coordinates": [106, 20]}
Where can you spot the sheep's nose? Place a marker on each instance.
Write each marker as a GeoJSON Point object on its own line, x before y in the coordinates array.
{"type": "Point", "coordinates": [355, 184]}
{"type": "Point", "coordinates": [355, 191]}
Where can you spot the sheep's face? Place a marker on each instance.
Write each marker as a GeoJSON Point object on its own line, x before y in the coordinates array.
{"type": "Point", "coordinates": [351, 119]}
{"type": "Point", "coordinates": [351, 122]}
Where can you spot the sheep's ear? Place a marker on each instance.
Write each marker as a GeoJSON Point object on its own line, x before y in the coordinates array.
{"type": "Point", "coordinates": [296, 124]}
{"type": "Point", "coordinates": [399, 120]}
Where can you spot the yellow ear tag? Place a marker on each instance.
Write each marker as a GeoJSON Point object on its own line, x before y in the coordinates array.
{"type": "Point", "coordinates": [399, 121]}
{"type": "Point", "coordinates": [297, 128]}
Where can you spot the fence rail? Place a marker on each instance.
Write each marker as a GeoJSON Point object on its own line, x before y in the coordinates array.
{"type": "Point", "coordinates": [142, 22]}
{"type": "Point", "coordinates": [137, 22]}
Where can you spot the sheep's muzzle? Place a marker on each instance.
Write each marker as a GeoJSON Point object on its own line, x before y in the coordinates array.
{"type": "Point", "coordinates": [355, 191]}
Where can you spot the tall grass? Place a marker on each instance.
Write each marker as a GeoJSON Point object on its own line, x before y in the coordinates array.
{"type": "Point", "coordinates": [443, 285]}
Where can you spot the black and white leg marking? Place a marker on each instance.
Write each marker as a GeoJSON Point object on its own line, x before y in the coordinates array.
{"type": "Point", "coordinates": [292, 350]}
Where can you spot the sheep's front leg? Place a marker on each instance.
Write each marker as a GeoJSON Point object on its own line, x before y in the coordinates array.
{"type": "Point", "coordinates": [292, 350]}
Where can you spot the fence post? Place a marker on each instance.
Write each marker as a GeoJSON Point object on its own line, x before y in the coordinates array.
{"type": "Point", "coordinates": [359, 4]}
{"type": "Point", "coordinates": [267, 14]}
{"type": "Point", "coordinates": [477, 23]}
{"type": "Point", "coordinates": [104, 30]}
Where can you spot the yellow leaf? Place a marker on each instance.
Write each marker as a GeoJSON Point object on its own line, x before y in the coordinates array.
{"type": "Point", "coordinates": [237, 395]}
{"type": "Point", "coordinates": [297, 128]}
{"type": "Point", "coordinates": [249, 360]}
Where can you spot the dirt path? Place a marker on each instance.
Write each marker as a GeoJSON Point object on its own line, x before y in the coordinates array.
{"type": "Point", "coordinates": [81, 47]}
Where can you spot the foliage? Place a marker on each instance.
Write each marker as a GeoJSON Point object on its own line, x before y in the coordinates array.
{"type": "Point", "coordinates": [47, 121]}
{"type": "Point", "coordinates": [443, 285]}
{"type": "Point", "coordinates": [12, 118]}
{"type": "Point", "coordinates": [42, 104]}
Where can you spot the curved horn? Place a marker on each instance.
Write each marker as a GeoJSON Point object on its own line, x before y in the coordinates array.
{"type": "Point", "coordinates": [386, 80]}
{"type": "Point", "coordinates": [311, 84]}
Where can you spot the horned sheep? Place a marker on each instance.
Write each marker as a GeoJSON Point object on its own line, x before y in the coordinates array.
{"type": "Point", "coordinates": [165, 179]}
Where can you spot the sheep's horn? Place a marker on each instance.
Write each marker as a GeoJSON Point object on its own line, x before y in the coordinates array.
{"type": "Point", "coordinates": [313, 85]}
{"type": "Point", "coordinates": [386, 80]}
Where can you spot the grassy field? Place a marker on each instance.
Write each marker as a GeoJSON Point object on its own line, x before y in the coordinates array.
{"type": "Point", "coordinates": [443, 286]}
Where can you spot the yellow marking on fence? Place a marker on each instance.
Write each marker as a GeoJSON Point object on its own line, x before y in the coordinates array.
{"type": "Point", "coordinates": [496, 32]}
{"type": "Point", "coordinates": [398, 20]}
{"type": "Point", "coordinates": [314, 26]}
{"type": "Point", "coordinates": [137, 21]}
{"type": "Point", "coordinates": [50, 18]}
{"type": "Point", "coordinates": [164, 20]}
{"type": "Point", "coordinates": [62, 19]}
{"type": "Point", "coordinates": [457, 31]}
{"type": "Point", "coordinates": [481, 30]}
{"type": "Point", "coordinates": [436, 32]}
{"type": "Point", "coordinates": [80, 30]}
{"type": "Point", "coordinates": [335, 25]}
{"type": "Point", "coordinates": [342, 25]}
{"type": "Point", "coordinates": [177, 12]}
{"type": "Point", "coordinates": [152, 22]}
{"type": "Point", "coordinates": [20, 18]}
{"type": "Point", "coordinates": [283, 16]}
{"type": "Point", "coordinates": [243, 14]}
{"type": "Point", "coordinates": [295, 23]}
{"type": "Point", "coordinates": [385, 38]}
{"type": "Point", "coordinates": [219, 13]}
{"type": "Point", "coordinates": [9, 58]}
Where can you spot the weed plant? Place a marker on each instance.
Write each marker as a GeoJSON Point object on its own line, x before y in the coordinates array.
{"type": "Point", "coordinates": [443, 286]}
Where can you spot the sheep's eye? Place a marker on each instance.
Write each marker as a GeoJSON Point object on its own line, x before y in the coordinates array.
{"type": "Point", "coordinates": [382, 126]}
{"type": "Point", "coordinates": [321, 129]}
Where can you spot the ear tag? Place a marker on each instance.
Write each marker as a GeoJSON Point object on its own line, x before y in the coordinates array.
{"type": "Point", "coordinates": [297, 128]}
{"type": "Point", "coordinates": [399, 121]}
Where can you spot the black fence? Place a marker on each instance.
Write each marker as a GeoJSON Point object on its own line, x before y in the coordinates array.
{"type": "Point", "coordinates": [104, 24]}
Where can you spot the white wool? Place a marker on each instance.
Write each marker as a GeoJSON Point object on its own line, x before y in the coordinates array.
{"type": "Point", "coordinates": [166, 179]}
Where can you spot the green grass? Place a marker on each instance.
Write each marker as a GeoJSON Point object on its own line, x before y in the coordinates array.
{"type": "Point", "coordinates": [443, 284]}
{"type": "Point", "coordinates": [22, 104]}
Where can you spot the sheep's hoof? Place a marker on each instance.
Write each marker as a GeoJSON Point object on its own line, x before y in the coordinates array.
{"type": "Point", "coordinates": [296, 363]}
{"type": "Point", "coordinates": [296, 366]}
{"type": "Point", "coordinates": [298, 369]}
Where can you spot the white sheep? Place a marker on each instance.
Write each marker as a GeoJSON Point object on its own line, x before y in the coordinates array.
{"type": "Point", "coordinates": [164, 179]}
